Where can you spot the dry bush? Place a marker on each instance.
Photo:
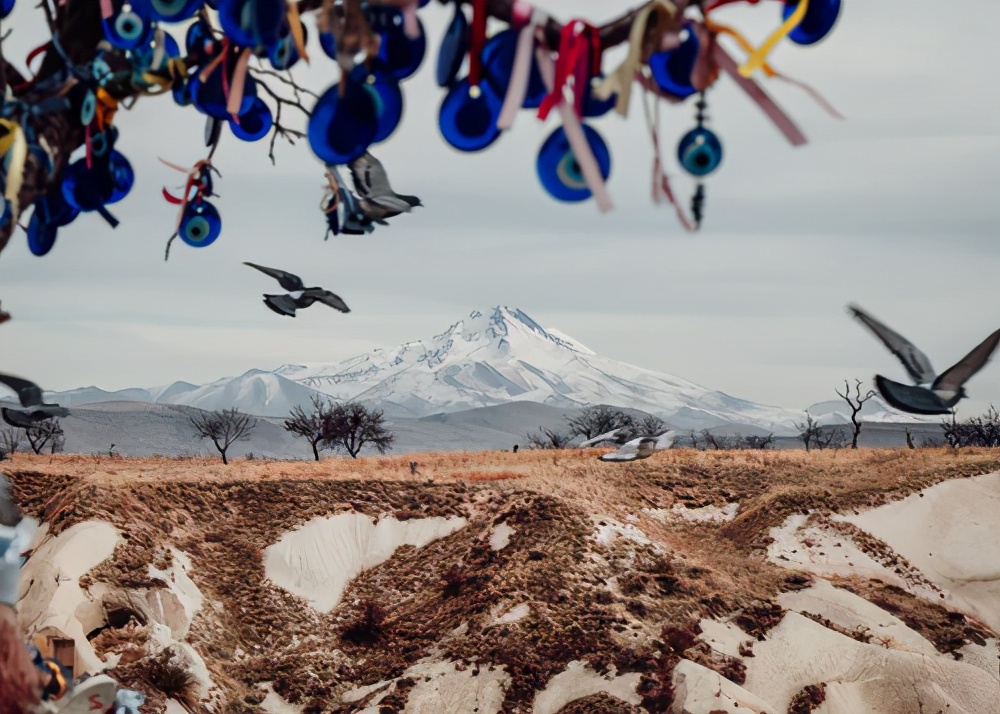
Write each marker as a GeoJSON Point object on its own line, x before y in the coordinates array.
{"type": "Point", "coordinates": [808, 699]}
{"type": "Point", "coordinates": [369, 628]}
{"type": "Point", "coordinates": [171, 679]}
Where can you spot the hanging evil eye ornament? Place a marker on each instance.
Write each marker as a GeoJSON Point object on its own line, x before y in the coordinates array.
{"type": "Point", "coordinates": [6, 6]}
{"type": "Point", "coordinates": [328, 44]}
{"type": "Point", "coordinates": [284, 54]}
{"type": "Point", "coordinates": [559, 171]}
{"type": "Point", "coordinates": [821, 16]}
{"type": "Point", "coordinates": [341, 129]}
{"type": "Point", "coordinates": [200, 225]}
{"type": "Point", "coordinates": [169, 10]}
{"type": "Point", "coordinates": [469, 112]}
{"type": "Point", "coordinates": [385, 92]}
{"type": "Point", "coordinates": [672, 69]}
{"type": "Point", "coordinates": [255, 124]}
{"type": "Point", "coordinates": [253, 23]}
{"type": "Point", "coordinates": [127, 28]}
{"type": "Point", "coordinates": [200, 43]}
{"type": "Point", "coordinates": [50, 214]}
{"type": "Point", "coordinates": [402, 54]}
{"type": "Point", "coordinates": [122, 177]}
{"type": "Point", "coordinates": [454, 47]}
{"type": "Point", "coordinates": [498, 64]}
{"type": "Point", "coordinates": [699, 153]}
{"type": "Point", "coordinates": [211, 95]}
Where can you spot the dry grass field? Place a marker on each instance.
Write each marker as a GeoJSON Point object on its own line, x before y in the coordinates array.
{"type": "Point", "coordinates": [439, 598]}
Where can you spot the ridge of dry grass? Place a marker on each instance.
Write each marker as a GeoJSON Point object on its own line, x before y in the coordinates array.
{"type": "Point", "coordinates": [441, 598]}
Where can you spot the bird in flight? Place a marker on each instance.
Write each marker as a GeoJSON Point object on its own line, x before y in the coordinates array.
{"type": "Point", "coordinates": [343, 214]}
{"type": "Point", "coordinates": [376, 199]}
{"type": "Point", "coordinates": [298, 295]}
{"type": "Point", "coordinates": [934, 393]}
{"type": "Point", "coordinates": [31, 408]}
{"type": "Point", "coordinates": [641, 448]}
{"type": "Point", "coordinates": [600, 439]}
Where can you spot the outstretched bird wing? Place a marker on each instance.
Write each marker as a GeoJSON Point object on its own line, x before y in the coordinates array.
{"type": "Point", "coordinates": [324, 296]}
{"type": "Point", "coordinates": [281, 304]}
{"type": "Point", "coordinates": [372, 184]}
{"type": "Point", "coordinates": [629, 451]}
{"type": "Point", "coordinates": [28, 393]}
{"type": "Point", "coordinates": [913, 359]}
{"type": "Point", "coordinates": [665, 440]}
{"type": "Point", "coordinates": [914, 400]}
{"type": "Point", "coordinates": [607, 436]}
{"type": "Point", "coordinates": [954, 377]}
{"type": "Point", "coordinates": [370, 179]}
{"type": "Point", "coordinates": [285, 279]}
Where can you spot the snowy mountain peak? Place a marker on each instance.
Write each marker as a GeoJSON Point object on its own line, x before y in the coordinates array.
{"type": "Point", "coordinates": [500, 325]}
{"type": "Point", "coordinates": [488, 357]}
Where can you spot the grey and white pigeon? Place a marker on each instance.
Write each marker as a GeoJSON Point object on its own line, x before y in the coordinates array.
{"type": "Point", "coordinates": [31, 408]}
{"type": "Point", "coordinates": [298, 295]}
{"type": "Point", "coordinates": [641, 448]}
{"type": "Point", "coordinates": [933, 393]}
{"type": "Point", "coordinates": [347, 217]}
{"type": "Point", "coordinates": [376, 198]}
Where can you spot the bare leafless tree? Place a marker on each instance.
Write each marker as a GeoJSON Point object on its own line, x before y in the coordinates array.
{"type": "Point", "coordinates": [315, 426]}
{"type": "Point", "coordinates": [594, 421]}
{"type": "Point", "coordinates": [983, 430]}
{"type": "Point", "coordinates": [650, 425]}
{"type": "Point", "coordinates": [855, 401]}
{"type": "Point", "coordinates": [46, 433]}
{"type": "Point", "coordinates": [547, 439]}
{"type": "Point", "coordinates": [11, 440]}
{"type": "Point", "coordinates": [808, 431]}
{"type": "Point", "coordinates": [352, 426]}
{"type": "Point", "coordinates": [224, 428]}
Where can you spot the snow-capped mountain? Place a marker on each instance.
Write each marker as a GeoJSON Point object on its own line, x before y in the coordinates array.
{"type": "Point", "coordinates": [488, 358]}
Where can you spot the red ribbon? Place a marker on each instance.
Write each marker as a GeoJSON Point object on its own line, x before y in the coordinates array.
{"type": "Point", "coordinates": [477, 40]}
{"type": "Point", "coordinates": [575, 48]}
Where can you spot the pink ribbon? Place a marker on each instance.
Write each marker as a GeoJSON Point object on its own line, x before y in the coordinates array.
{"type": "Point", "coordinates": [520, 14]}
{"type": "Point", "coordinates": [777, 115]}
{"type": "Point", "coordinates": [577, 139]}
{"type": "Point", "coordinates": [107, 10]}
{"type": "Point", "coordinates": [521, 71]}
{"type": "Point", "coordinates": [411, 28]}
{"type": "Point", "coordinates": [661, 184]}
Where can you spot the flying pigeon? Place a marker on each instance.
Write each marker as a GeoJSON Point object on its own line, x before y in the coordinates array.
{"type": "Point", "coordinates": [933, 393]}
{"type": "Point", "coordinates": [641, 448]}
{"type": "Point", "coordinates": [32, 408]}
{"type": "Point", "coordinates": [600, 439]}
{"type": "Point", "coordinates": [340, 198]}
{"type": "Point", "coordinates": [298, 295]}
{"type": "Point", "coordinates": [376, 198]}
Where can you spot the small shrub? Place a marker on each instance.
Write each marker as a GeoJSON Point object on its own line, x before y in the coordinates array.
{"type": "Point", "coordinates": [170, 678]}
{"type": "Point", "coordinates": [367, 629]}
{"type": "Point", "coordinates": [808, 699]}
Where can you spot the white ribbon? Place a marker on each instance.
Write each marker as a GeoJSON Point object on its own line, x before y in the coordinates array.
{"type": "Point", "coordinates": [521, 71]}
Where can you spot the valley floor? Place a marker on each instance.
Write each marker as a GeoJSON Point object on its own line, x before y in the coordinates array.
{"type": "Point", "coordinates": [543, 581]}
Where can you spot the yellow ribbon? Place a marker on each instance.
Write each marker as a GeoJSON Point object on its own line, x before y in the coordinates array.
{"type": "Point", "coordinates": [296, 24]}
{"type": "Point", "coordinates": [106, 108]}
{"type": "Point", "coordinates": [758, 57]}
{"type": "Point", "coordinates": [14, 149]}
{"type": "Point", "coordinates": [620, 80]}
{"type": "Point", "coordinates": [769, 70]}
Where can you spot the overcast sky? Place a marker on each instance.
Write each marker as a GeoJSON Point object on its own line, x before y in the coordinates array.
{"type": "Point", "coordinates": [896, 208]}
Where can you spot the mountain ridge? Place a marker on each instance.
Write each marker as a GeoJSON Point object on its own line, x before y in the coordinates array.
{"type": "Point", "coordinates": [487, 358]}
